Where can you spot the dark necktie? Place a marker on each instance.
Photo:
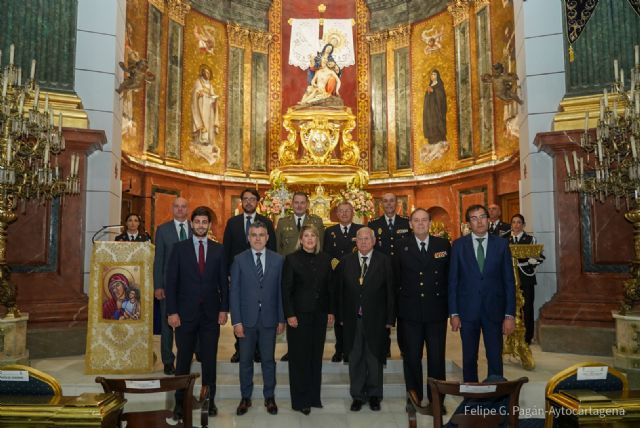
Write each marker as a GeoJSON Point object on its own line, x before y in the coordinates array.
{"type": "Point", "coordinates": [299, 223]}
{"type": "Point", "coordinates": [515, 239]}
{"type": "Point", "coordinates": [259, 267]}
{"type": "Point", "coordinates": [201, 258]}
{"type": "Point", "coordinates": [132, 238]}
{"type": "Point", "coordinates": [423, 249]}
{"type": "Point", "coordinates": [363, 268]}
{"type": "Point", "coordinates": [492, 227]}
{"type": "Point", "coordinates": [183, 233]}
{"type": "Point", "coordinates": [390, 225]}
{"type": "Point", "coordinates": [345, 232]}
{"type": "Point", "coordinates": [246, 227]}
{"type": "Point", "coordinates": [480, 254]}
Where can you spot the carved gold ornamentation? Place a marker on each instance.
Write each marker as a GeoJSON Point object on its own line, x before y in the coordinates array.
{"type": "Point", "coordinates": [319, 137]}
{"type": "Point", "coordinates": [260, 40]}
{"type": "Point", "coordinates": [178, 9]}
{"type": "Point", "coordinates": [459, 10]}
{"type": "Point", "coordinates": [238, 35]}
{"type": "Point", "coordinates": [377, 42]}
{"type": "Point", "coordinates": [159, 4]}
{"type": "Point", "coordinates": [364, 99]}
{"type": "Point", "coordinates": [479, 4]}
{"type": "Point", "coordinates": [275, 81]}
{"type": "Point", "coordinates": [399, 36]}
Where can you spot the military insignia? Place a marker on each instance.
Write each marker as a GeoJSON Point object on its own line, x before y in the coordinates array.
{"type": "Point", "coordinates": [334, 263]}
{"type": "Point", "coordinates": [406, 248]}
{"type": "Point", "coordinates": [333, 235]}
{"type": "Point", "coordinates": [379, 231]}
{"type": "Point", "coordinates": [402, 231]}
{"type": "Point", "coordinates": [440, 254]}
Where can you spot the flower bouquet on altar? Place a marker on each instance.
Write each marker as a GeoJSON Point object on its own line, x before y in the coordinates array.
{"type": "Point", "coordinates": [276, 201]}
{"type": "Point", "coordinates": [439, 229]}
{"type": "Point", "coordinates": [360, 200]}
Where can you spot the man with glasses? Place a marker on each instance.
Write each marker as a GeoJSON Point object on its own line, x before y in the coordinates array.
{"type": "Point", "coordinates": [339, 241]}
{"type": "Point", "coordinates": [236, 236]}
{"type": "Point", "coordinates": [481, 293]}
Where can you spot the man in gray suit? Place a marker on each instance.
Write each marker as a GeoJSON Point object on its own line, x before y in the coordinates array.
{"type": "Point", "coordinates": [255, 301]}
{"type": "Point", "coordinates": [168, 234]}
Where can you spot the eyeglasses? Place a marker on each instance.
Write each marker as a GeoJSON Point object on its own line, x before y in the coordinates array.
{"type": "Point", "coordinates": [479, 217]}
{"type": "Point", "coordinates": [250, 199]}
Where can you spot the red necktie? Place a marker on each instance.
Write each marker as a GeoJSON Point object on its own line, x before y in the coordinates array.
{"type": "Point", "coordinates": [201, 258]}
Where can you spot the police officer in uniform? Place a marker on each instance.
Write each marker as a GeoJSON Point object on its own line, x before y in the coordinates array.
{"type": "Point", "coordinates": [496, 226]}
{"type": "Point", "coordinates": [288, 229]}
{"type": "Point", "coordinates": [389, 229]}
{"type": "Point", "coordinates": [421, 269]}
{"type": "Point", "coordinates": [340, 240]}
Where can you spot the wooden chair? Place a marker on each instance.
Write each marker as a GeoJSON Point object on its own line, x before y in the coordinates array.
{"type": "Point", "coordinates": [567, 379]}
{"type": "Point", "coordinates": [39, 383]}
{"type": "Point", "coordinates": [157, 418]}
{"type": "Point", "coordinates": [484, 399]}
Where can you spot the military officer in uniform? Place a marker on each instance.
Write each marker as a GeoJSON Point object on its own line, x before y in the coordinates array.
{"type": "Point", "coordinates": [496, 226]}
{"type": "Point", "coordinates": [421, 269]}
{"type": "Point", "coordinates": [288, 229]}
{"type": "Point", "coordinates": [339, 241]}
{"type": "Point", "coordinates": [389, 228]}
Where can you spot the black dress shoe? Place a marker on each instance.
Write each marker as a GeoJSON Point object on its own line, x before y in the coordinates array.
{"type": "Point", "coordinates": [270, 404]}
{"type": "Point", "coordinates": [285, 357]}
{"type": "Point", "coordinates": [213, 409]}
{"type": "Point", "coordinates": [337, 357]}
{"type": "Point", "coordinates": [177, 412]}
{"type": "Point", "coordinates": [356, 405]}
{"type": "Point", "coordinates": [235, 358]}
{"type": "Point", "coordinates": [374, 403]}
{"type": "Point", "coordinates": [244, 405]}
{"type": "Point", "coordinates": [305, 410]}
{"type": "Point", "coordinates": [169, 370]}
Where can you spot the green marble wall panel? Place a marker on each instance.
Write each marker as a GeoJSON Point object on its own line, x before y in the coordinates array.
{"type": "Point", "coordinates": [463, 88]}
{"type": "Point", "coordinates": [403, 120]}
{"type": "Point", "coordinates": [235, 109]}
{"type": "Point", "coordinates": [174, 90]}
{"type": "Point", "coordinates": [44, 30]}
{"type": "Point", "coordinates": [379, 112]}
{"type": "Point", "coordinates": [151, 108]}
{"type": "Point", "coordinates": [259, 94]}
{"type": "Point", "coordinates": [485, 91]}
{"type": "Point", "coordinates": [612, 31]}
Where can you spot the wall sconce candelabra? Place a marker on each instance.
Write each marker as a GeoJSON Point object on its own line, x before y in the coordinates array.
{"type": "Point", "coordinates": [612, 166]}
{"type": "Point", "coordinates": [29, 170]}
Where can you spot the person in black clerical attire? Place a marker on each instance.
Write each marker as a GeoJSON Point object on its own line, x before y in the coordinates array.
{"type": "Point", "coordinates": [527, 273]}
{"type": "Point", "coordinates": [389, 228]}
{"type": "Point", "coordinates": [496, 226]}
{"type": "Point", "coordinates": [340, 240]}
{"type": "Point", "coordinates": [133, 230]}
{"type": "Point", "coordinates": [421, 267]}
{"type": "Point", "coordinates": [235, 238]}
{"type": "Point", "coordinates": [308, 301]}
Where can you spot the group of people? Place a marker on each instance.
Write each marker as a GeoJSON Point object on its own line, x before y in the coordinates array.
{"type": "Point", "coordinates": [302, 278]}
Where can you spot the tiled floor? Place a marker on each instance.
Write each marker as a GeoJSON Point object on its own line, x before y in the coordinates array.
{"type": "Point", "coordinates": [335, 414]}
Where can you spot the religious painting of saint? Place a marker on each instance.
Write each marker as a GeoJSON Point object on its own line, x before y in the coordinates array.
{"type": "Point", "coordinates": [206, 117]}
{"type": "Point", "coordinates": [434, 119]}
{"type": "Point", "coordinates": [432, 39]}
{"type": "Point", "coordinates": [120, 294]}
{"type": "Point", "coordinates": [205, 35]}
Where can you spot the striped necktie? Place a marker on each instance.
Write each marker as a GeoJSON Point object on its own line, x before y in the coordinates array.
{"type": "Point", "coordinates": [259, 267]}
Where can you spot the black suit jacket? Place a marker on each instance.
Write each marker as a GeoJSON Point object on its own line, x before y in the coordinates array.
{"type": "Point", "coordinates": [387, 240]}
{"type": "Point", "coordinates": [376, 296]}
{"type": "Point", "coordinates": [306, 284]}
{"type": "Point", "coordinates": [335, 244]}
{"type": "Point", "coordinates": [142, 237]}
{"type": "Point", "coordinates": [186, 288]}
{"type": "Point", "coordinates": [422, 282]}
{"type": "Point", "coordinates": [235, 238]}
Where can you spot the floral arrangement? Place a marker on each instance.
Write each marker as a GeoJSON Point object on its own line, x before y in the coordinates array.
{"type": "Point", "coordinates": [360, 200]}
{"type": "Point", "coordinates": [439, 229]}
{"type": "Point", "coordinates": [277, 200]}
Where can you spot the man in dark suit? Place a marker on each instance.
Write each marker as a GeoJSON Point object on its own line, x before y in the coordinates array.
{"type": "Point", "coordinates": [339, 240]}
{"type": "Point", "coordinates": [168, 234]}
{"type": "Point", "coordinates": [365, 308]}
{"type": "Point", "coordinates": [421, 267]}
{"type": "Point", "coordinates": [496, 226]}
{"type": "Point", "coordinates": [481, 293]}
{"type": "Point", "coordinates": [256, 313]}
{"type": "Point", "coordinates": [236, 237]}
{"type": "Point", "coordinates": [389, 229]}
{"type": "Point", "coordinates": [197, 297]}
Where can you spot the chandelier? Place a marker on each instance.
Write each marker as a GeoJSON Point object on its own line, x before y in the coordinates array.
{"type": "Point", "coordinates": [29, 169]}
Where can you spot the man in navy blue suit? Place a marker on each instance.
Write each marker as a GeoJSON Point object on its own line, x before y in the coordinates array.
{"type": "Point", "coordinates": [197, 293]}
{"type": "Point", "coordinates": [256, 313]}
{"type": "Point", "coordinates": [481, 293]}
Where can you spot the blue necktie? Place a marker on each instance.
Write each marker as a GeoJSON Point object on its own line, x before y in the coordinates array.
{"type": "Point", "coordinates": [246, 227]}
{"type": "Point", "coordinates": [259, 267]}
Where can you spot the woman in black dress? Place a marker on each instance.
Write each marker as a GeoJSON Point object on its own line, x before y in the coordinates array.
{"type": "Point", "coordinates": [526, 272]}
{"type": "Point", "coordinates": [133, 231]}
{"type": "Point", "coordinates": [307, 298]}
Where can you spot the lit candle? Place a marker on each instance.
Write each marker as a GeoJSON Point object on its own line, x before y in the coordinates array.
{"type": "Point", "coordinates": [615, 69]}
{"type": "Point", "coordinates": [33, 69]}
{"type": "Point", "coordinates": [586, 120]}
{"type": "Point", "coordinates": [575, 161]}
{"type": "Point", "coordinates": [636, 48]}
{"type": "Point", "coordinates": [634, 149]}
{"type": "Point", "coordinates": [566, 164]}
{"type": "Point", "coordinates": [11, 48]}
